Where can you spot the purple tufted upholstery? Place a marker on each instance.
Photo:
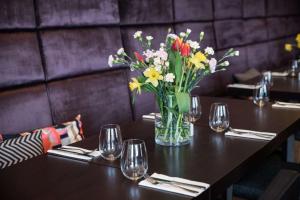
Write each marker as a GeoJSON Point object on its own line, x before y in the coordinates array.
{"type": "Point", "coordinates": [53, 53]}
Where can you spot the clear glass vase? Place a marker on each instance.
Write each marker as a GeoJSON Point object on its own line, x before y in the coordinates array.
{"type": "Point", "coordinates": [172, 128]}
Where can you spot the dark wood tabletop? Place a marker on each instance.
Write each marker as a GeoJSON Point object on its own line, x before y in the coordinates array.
{"type": "Point", "coordinates": [210, 157]}
{"type": "Point", "coordinates": [283, 88]}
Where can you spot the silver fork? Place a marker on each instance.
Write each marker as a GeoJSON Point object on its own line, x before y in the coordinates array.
{"type": "Point", "coordinates": [157, 182]}
{"type": "Point", "coordinates": [257, 134]}
{"type": "Point", "coordinates": [76, 151]}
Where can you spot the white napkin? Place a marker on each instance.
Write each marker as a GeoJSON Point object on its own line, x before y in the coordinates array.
{"type": "Point", "coordinates": [243, 86]}
{"type": "Point", "coordinates": [247, 134]}
{"type": "Point", "coordinates": [280, 74]}
{"type": "Point", "coordinates": [150, 116]}
{"type": "Point", "coordinates": [280, 104]}
{"type": "Point", "coordinates": [170, 188]}
{"type": "Point", "coordinates": [76, 155]}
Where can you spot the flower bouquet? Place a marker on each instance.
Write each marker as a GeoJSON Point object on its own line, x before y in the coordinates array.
{"type": "Point", "coordinates": [171, 73]}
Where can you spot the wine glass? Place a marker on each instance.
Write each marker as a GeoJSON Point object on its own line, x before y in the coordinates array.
{"type": "Point", "coordinates": [267, 77]}
{"type": "Point", "coordinates": [294, 67]}
{"type": "Point", "coordinates": [219, 117]}
{"type": "Point", "coordinates": [134, 159]}
{"type": "Point", "coordinates": [261, 94]}
{"type": "Point", "coordinates": [110, 142]}
{"type": "Point", "coordinates": [195, 109]}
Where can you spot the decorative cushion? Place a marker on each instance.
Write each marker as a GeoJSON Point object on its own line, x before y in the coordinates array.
{"type": "Point", "coordinates": [18, 149]}
{"type": "Point", "coordinates": [56, 136]}
{"type": "Point", "coordinates": [246, 76]}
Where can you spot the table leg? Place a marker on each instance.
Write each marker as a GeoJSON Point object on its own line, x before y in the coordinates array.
{"type": "Point", "coordinates": [290, 157]}
{"type": "Point", "coordinates": [229, 193]}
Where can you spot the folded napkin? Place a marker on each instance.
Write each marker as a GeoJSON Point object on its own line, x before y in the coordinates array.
{"type": "Point", "coordinates": [280, 74]}
{"type": "Point", "coordinates": [250, 134]}
{"type": "Point", "coordinates": [150, 116]}
{"type": "Point", "coordinates": [170, 188]}
{"type": "Point", "coordinates": [243, 86]}
{"type": "Point", "coordinates": [74, 153]}
{"type": "Point", "coordinates": [280, 104]}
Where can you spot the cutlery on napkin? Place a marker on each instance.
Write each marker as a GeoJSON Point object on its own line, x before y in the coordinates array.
{"type": "Point", "coordinates": [150, 116]}
{"type": "Point", "coordinates": [280, 74]}
{"type": "Point", "coordinates": [170, 184]}
{"type": "Point", "coordinates": [280, 104]}
{"type": "Point", "coordinates": [250, 134]}
{"type": "Point", "coordinates": [74, 153]}
{"type": "Point", "coordinates": [243, 86]}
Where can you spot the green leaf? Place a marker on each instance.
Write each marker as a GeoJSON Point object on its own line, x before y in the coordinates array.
{"type": "Point", "coordinates": [183, 101]}
{"type": "Point", "coordinates": [178, 67]}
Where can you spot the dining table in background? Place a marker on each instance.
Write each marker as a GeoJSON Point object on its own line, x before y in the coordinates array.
{"type": "Point", "coordinates": [284, 88]}
{"type": "Point", "coordinates": [211, 158]}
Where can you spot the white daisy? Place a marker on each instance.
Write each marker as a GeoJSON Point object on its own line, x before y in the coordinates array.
{"type": "Point", "coordinates": [193, 44]}
{"type": "Point", "coordinates": [209, 51]}
{"type": "Point", "coordinates": [120, 51]}
{"type": "Point", "coordinates": [137, 34]}
{"type": "Point", "coordinates": [149, 38]}
{"type": "Point", "coordinates": [212, 65]}
{"type": "Point", "coordinates": [169, 77]}
{"type": "Point", "coordinates": [110, 60]}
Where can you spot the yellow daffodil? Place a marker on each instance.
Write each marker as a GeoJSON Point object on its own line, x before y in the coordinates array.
{"type": "Point", "coordinates": [198, 59]}
{"type": "Point", "coordinates": [153, 76]}
{"type": "Point", "coordinates": [288, 47]}
{"type": "Point", "coordinates": [298, 38]}
{"type": "Point", "coordinates": [134, 84]}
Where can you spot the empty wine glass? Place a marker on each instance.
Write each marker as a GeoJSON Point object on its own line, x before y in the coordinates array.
{"type": "Point", "coordinates": [219, 117]}
{"type": "Point", "coordinates": [294, 67]}
{"type": "Point", "coordinates": [261, 94]}
{"type": "Point", "coordinates": [110, 142]}
{"type": "Point", "coordinates": [195, 109]}
{"type": "Point", "coordinates": [267, 77]}
{"type": "Point", "coordinates": [134, 159]}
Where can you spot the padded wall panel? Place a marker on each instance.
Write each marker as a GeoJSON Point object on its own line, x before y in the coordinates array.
{"type": "Point", "coordinates": [24, 110]}
{"type": "Point", "coordinates": [277, 27]}
{"type": "Point", "coordinates": [149, 11]}
{"type": "Point", "coordinates": [20, 61]}
{"type": "Point", "coordinates": [293, 25]}
{"type": "Point", "coordinates": [237, 65]}
{"type": "Point", "coordinates": [282, 8]}
{"type": "Point", "coordinates": [79, 12]}
{"type": "Point", "coordinates": [277, 55]}
{"type": "Point", "coordinates": [79, 51]}
{"type": "Point", "coordinates": [258, 56]}
{"type": "Point", "coordinates": [99, 98]}
{"type": "Point", "coordinates": [159, 33]}
{"type": "Point", "coordinates": [254, 8]}
{"type": "Point", "coordinates": [228, 9]}
{"type": "Point", "coordinates": [229, 33]}
{"type": "Point", "coordinates": [255, 30]}
{"type": "Point", "coordinates": [209, 39]}
{"type": "Point", "coordinates": [17, 14]}
{"type": "Point", "coordinates": [210, 86]}
{"type": "Point", "coordinates": [193, 10]}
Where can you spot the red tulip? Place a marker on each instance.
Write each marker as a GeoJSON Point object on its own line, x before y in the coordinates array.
{"type": "Point", "coordinates": [185, 49]}
{"type": "Point", "coordinates": [177, 44]}
{"type": "Point", "coordinates": [139, 57]}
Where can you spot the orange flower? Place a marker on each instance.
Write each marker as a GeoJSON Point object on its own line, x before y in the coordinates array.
{"type": "Point", "coordinates": [177, 44]}
{"type": "Point", "coordinates": [139, 57]}
{"type": "Point", "coordinates": [185, 49]}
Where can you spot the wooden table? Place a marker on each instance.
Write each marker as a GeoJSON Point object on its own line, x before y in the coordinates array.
{"type": "Point", "coordinates": [284, 89]}
{"type": "Point", "coordinates": [211, 158]}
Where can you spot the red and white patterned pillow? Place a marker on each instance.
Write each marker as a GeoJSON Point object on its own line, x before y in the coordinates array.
{"type": "Point", "coordinates": [56, 136]}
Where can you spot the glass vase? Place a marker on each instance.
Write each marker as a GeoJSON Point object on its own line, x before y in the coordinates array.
{"type": "Point", "coordinates": [172, 128]}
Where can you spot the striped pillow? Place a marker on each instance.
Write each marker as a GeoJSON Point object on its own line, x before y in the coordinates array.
{"type": "Point", "coordinates": [16, 150]}
{"type": "Point", "coordinates": [56, 136]}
